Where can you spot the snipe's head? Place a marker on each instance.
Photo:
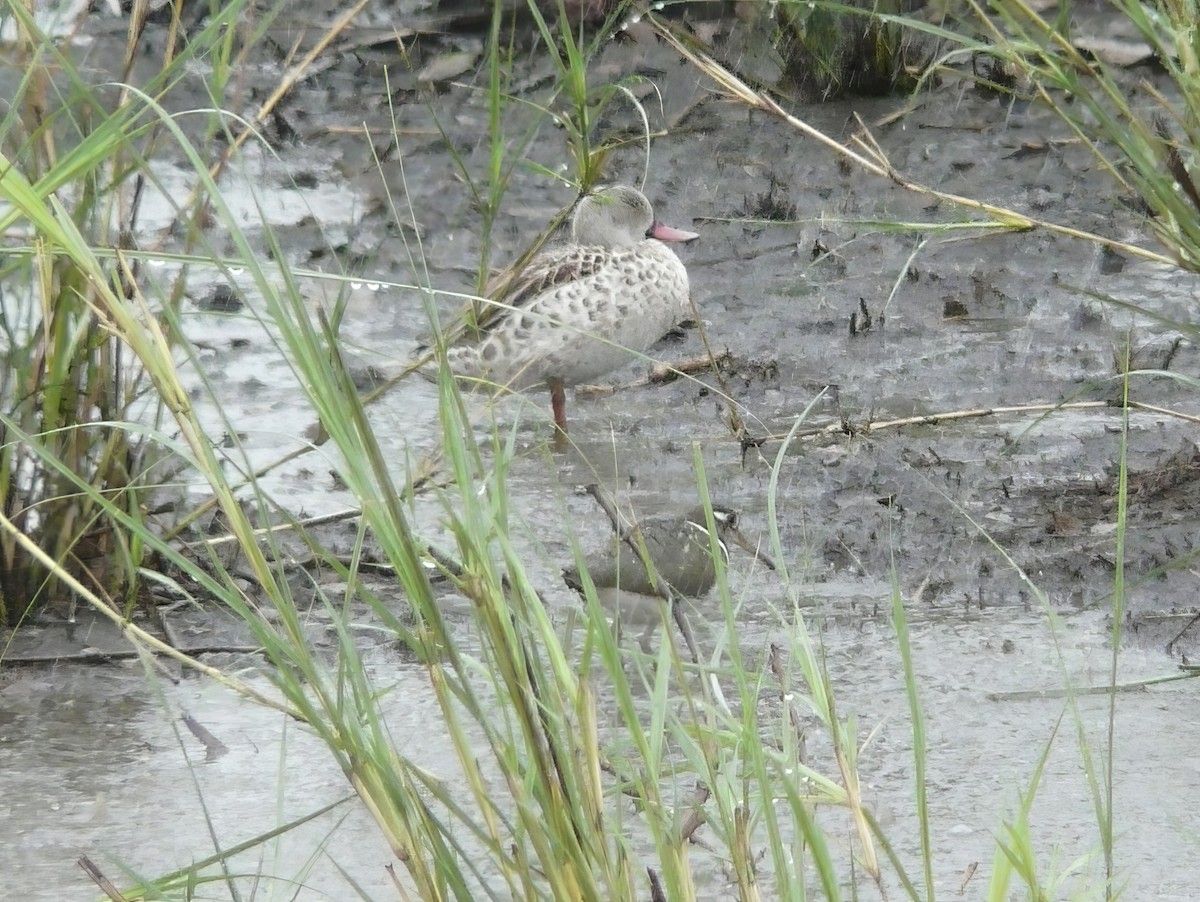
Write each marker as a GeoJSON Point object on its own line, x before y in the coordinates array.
{"type": "Point", "coordinates": [726, 521]}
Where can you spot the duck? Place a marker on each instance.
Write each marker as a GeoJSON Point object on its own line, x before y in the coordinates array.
{"type": "Point", "coordinates": [682, 555]}
{"type": "Point", "coordinates": [577, 312]}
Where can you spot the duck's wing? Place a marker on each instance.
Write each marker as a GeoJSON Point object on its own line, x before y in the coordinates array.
{"type": "Point", "coordinates": [474, 320]}
{"type": "Point", "coordinates": [546, 272]}
{"type": "Point", "coordinates": [516, 286]}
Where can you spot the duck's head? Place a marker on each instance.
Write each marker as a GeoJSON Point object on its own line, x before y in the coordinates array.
{"type": "Point", "coordinates": [620, 217]}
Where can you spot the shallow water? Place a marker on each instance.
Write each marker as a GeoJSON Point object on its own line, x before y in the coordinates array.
{"type": "Point", "coordinates": [95, 764]}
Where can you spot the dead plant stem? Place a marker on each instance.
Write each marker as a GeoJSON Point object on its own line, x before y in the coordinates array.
{"type": "Point", "coordinates": [844, 427]}
{"type": "Point", "coordinates": [875, 160]}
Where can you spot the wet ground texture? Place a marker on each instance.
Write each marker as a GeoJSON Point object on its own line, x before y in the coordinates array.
{"type": "Point", "coordinates": [820, 310]}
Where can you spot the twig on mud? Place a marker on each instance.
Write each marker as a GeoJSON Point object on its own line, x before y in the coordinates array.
{"type": "Point", "coordinates": [696, 816]}
{"type": "Point", "coordinates": [1187, 626]}
{"type": "Point", "coordinates": [92, 656]}
{"type": "Point", "coordinates": [97, 877]}
{"type": "Point", "coordinates": [1039, 694]}
{"type": "Point", "coordinates": [659, 373]}
{"type": "Point", "coordinates": [336, 517]}
{"type": "Point", "coordinates": [845, 427]}
{"type": "Point", "coordinates": [452, 567]}
{"type": "Point", "coordinates": [736, 425]}
{"type": "Point", "coordinates": [428, 466]}
{"type": "Point", "coordinates": [787, 699]}
{"type": "Point", "coordinates": [1165, 411]}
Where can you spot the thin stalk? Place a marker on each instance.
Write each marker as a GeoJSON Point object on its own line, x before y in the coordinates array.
{"type": "Point", "coordinates": [1107, 826]}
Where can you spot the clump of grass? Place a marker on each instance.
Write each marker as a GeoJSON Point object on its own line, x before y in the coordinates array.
{"type": "Point", "coordinates": [543, 817]}
{"type": "Point", "coordinates": [72, 390]}
{"type": "Point", "coordinates": [67, 385]}
{"type": "Point", "coordinates": [832, 49]}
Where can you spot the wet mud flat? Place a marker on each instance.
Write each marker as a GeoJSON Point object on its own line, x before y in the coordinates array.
{"type": "Point", "coordinates": [826, 312]}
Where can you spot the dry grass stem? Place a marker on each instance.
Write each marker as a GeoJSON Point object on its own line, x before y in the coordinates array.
{"type": "Point", "coordinates": [873, 158]}
{"type": "Point", "coordinates": [135, 634]}
{"type": "Point", "coordinates": [845, 427]}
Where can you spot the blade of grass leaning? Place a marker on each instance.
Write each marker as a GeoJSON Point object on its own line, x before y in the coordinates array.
{"type": "Point", "coordinates": [152, 347]}
{"type": "Point", "coordinates": [1014, 845]}
{"type": "Point", "coordinates": [900, 624]}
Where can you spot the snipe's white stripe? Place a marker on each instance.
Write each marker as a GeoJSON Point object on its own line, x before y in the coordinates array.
{"type": "Point", "coordinates": [704, 532]}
